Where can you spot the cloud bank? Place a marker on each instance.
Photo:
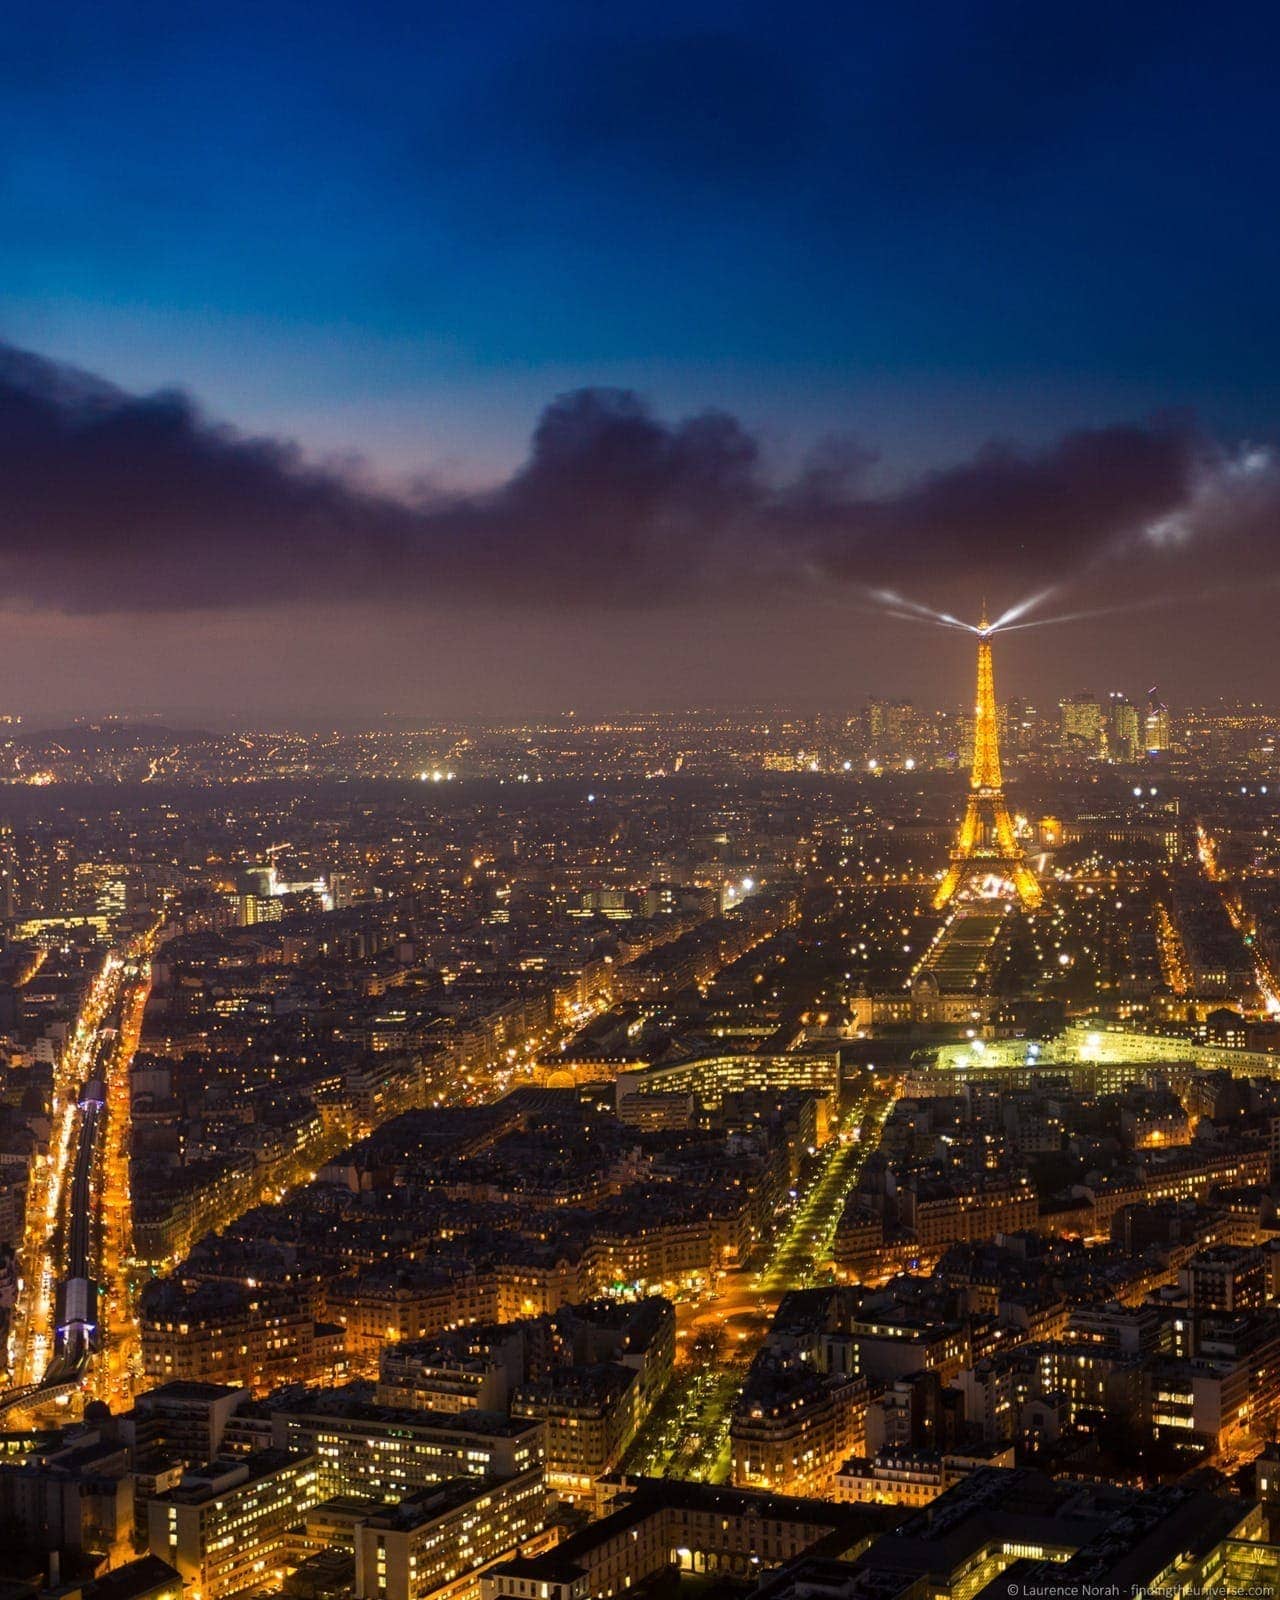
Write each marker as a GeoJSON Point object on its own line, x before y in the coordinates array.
{"type": "Point", "coordinates": [113, 502]}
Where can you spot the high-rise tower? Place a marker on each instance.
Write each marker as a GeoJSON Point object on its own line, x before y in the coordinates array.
{"type": "Point", "coordinates": [986, 841]}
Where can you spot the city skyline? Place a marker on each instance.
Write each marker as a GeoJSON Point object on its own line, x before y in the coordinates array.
{"type": "Point", "coordinates": [183, 722]}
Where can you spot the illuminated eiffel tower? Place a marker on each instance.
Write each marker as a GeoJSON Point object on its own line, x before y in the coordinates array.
{"type": "Point", "coordinates": [986, 841]}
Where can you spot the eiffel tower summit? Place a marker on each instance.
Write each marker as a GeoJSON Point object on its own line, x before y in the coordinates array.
{"type": "Point", "coordinates": [986, 843]}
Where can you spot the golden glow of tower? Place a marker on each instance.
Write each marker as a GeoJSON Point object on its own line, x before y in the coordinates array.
{"type": "Point", "coordinates": [986, 841]}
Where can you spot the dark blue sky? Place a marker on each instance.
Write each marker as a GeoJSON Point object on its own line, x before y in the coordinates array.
{"type": "Point", "coordinates": [400, 231]}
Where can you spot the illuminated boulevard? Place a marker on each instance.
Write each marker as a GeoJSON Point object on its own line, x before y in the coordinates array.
{"type": "Point", "coordinates": [688, 1434]}
{"type": "Point", "coordinates": [78, 1220]}
{"type": "Point", "coordinates": [1268, 984]}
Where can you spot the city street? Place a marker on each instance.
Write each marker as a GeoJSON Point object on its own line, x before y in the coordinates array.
{"type": "Point", "coordinates": [688, 1434]}
{"type": "Point", "coordinates": [78, 1220]}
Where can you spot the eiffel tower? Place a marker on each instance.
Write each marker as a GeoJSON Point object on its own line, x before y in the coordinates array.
{"type": "Point", "coordinates": [986, 841]}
